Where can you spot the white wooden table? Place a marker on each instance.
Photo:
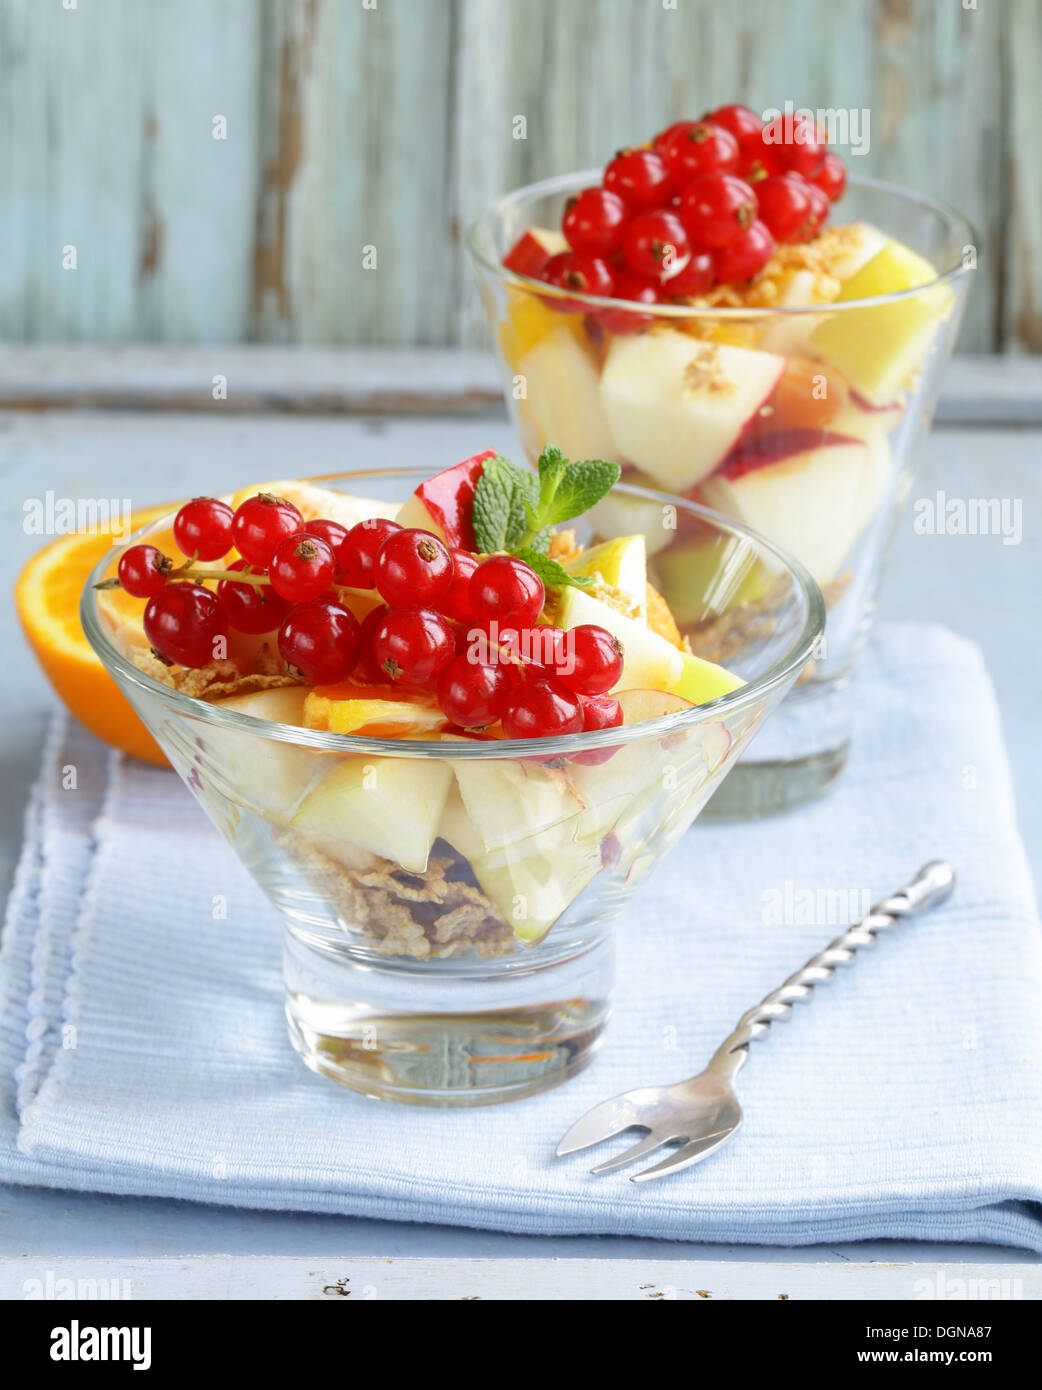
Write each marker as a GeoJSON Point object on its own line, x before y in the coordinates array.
{"type": "Point", "coordinates": [989, 443]}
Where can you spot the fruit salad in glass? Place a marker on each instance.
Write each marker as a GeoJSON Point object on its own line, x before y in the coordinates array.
{"type": "Point", "coordinates": [729, 318]}
{"type": "Point", "coordinates": [449, 735]}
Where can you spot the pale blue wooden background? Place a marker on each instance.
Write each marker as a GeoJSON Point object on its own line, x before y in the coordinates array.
{"type": "Point", "coordinates": [390, 122]}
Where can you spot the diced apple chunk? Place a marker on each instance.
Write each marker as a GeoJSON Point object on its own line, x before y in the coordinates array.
{"type": "Point", "coordinates": [262, 774]}
{"type": "Point", "coordinates": [676, 406]}
{"type": "Point", "coordinates": [562, 400]}
{"type": "Point", "coordinates": [390, 806]}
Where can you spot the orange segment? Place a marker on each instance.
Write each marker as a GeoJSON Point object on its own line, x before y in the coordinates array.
{"type": "Point", "coordinates": [377, 711]}
{"type": "Point", "coordinates": [47, 598]}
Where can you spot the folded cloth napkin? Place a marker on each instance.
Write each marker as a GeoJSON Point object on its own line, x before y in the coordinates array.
{"type": "Point", "coordinates": [143, 1046]}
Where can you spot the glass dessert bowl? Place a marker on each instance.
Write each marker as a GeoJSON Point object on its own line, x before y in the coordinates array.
{"type": "Point", "coordinates": [449, 893]}
{"type": "Point", "coordinates": [792, 401]}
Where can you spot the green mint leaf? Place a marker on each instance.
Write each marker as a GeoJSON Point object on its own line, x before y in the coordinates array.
{"type": "Point", "coordinates": [553, 575]}
{"type": "Point", "coordinates": [552, 467]}
{"type": "Point", "coordinates": [502, 498]}
{"type": "Point", "coordinates": [576, 488]}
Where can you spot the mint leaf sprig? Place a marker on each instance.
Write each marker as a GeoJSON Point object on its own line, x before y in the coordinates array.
{"type": "Point", "coordinates": [515, 509]}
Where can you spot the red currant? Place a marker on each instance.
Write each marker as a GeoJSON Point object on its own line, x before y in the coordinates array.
{"type": "Point", "coordinates": [302, 567]}
{"type": "Point", "coordinates": [579, 271]}
{"type": "Point", "coordinates": [716, 208]}
{"type": "Point", "coordinates": [507, 590]}
{"type": "Point", "coordinates": [593, 221]}
{"type": "Point", "coordinates": [699, 147]}
{"type": "Point", "coordinates": [640, 178]}
{"type": "Point", "coordinates": [599, 712]}
{"type": "Point", "coordinates": [589, 660]}
{"type": "Point", "coordinates": [832, 177]}
{"type": "Point", "coordinates": [784, 205]}
{"type": "Point", "coordinates": [696, 278]}
{"type": "Point", "coordinates": [456, 603]}
{"type": "Point", "coordinates": [655, 243]}
{"type": "Point", "coordinates": [368, 667]}
{"type": "Point", "coordinates": [203, 527]}
{"type": "Point", "coordinates": [663, 138]}
{"type": "Point", "coordinates": [541, 708]}
{"type": "Point", "coordinates": [793, 142]}
{"type": "Point", "coordinates": [359, 549]}
{"type": "Point", "coordinates": [819, 212]}
{"type": "Point", "coordinates": [413, 645]}
{"type": "Point", "coordinates": [320, 640]}
{"type": "Point", "coordinates": [251, 607]}
{"type": "Point", "coordinates": [143, 570]}
{"type": "Point", "coordinates": [744, 125]}
{"type": "Point", "coordinates": [329, 531]}
{"type": "Point", "coordinates": [745, 257]}
{"type": "Point", "coordinates": [260, 523]}
{"type": "Point", "coordinates": [472, 693]}
{"type": "Point", "coordinates": [636, 289]}
{"type": "Point", "coordinates": [187, 625]}
{"type": "Point", "coordinates": [413, 567]}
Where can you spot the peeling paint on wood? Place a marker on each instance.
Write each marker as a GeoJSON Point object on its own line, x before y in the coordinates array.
{"type": "Point", "coordinates": [360, 141]}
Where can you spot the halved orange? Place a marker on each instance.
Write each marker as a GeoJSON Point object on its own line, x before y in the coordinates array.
{"type": "Point", "coordinates": [47, 597]}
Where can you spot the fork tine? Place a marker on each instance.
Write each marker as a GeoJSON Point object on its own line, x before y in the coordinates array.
{"type": "Point", "coordinates": [604, 1121]}
{"type": "Point", "coordinates": [683, 1157]}
{"type": "Point", "coordinates": [649, 1144]}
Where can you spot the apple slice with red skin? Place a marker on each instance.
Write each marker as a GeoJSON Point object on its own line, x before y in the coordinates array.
{"type": "Point", "coordinates": [443, 503]}
{"type": "Point", "coordinates": [532, 250]}
{"type": "Point", "coordinates": [763, 450]}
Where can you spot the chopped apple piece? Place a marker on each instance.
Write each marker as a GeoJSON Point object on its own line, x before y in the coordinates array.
{"type": "Point", "coordinates": [510, 800]}
{"type": "Point", "coordinates": [649, 661]}
{"type": "Point", "coordinates": [701, 681]}
{"type": "Point", "coordinates": [638, 706]}
{"type": "Point", "coordinates": [389, 806]}
{"type": "Point", "coordinates": [443, 503]}
{"type": "Point", "coordinates": [533, 249]}
{"type": "Point", "coordinates": [532, 881]}
{"type": "Point", "coordinates": [805, 490]}
{"type": "Point", "coordinates": [705, 578]}
{"type": "Point", "coordinates": [676, 407]}
{"type": "Point", "coordinates": [263, 774]}
{"type": "Point", "coordinates": [375, 711]}
{"type": "Point", "coordinates": [622, 563]}
{"type": "Point", "coordinates": [562, 401]}
{"type": "Point", "coordinates": [880, 346]}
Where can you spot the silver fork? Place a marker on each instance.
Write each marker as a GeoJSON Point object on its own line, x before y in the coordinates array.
{"type": "Point", "coordinates": [701, 1114]}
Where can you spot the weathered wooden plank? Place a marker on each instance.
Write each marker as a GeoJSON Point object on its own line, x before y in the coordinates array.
{"type": "Point", "coordinates": [388, 124]}
{"type": "Point", "coordinates": [540, 1280]}
{"type": "Point", "coordinates": [977, 390]}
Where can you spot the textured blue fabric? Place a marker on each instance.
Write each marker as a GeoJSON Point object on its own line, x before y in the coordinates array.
{"type": "Point", "coordinates": [143, 1046]}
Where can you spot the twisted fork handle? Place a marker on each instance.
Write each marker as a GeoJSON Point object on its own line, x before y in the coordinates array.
{"type": "Point", "coordinates": [931, 885]}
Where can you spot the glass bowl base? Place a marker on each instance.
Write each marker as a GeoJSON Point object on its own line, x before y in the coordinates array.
{"type": "Point", "coordinates": [453, 1059]}
{"type": "Point", "coordinates": [445, 1033]}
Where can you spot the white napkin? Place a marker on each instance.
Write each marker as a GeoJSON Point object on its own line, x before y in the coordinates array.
{"type": "Point", "coordinates": [143, 1047]}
